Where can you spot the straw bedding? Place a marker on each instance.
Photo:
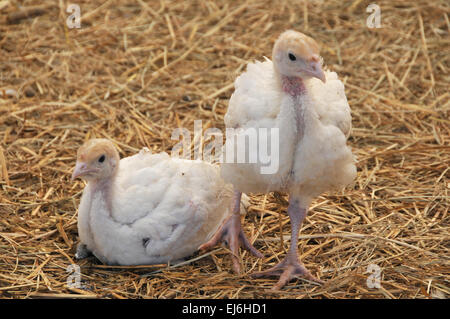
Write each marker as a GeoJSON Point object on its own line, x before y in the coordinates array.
{"type": "Point", "coordinates": [136, 70]}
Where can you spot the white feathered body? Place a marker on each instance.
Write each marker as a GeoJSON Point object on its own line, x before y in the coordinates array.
{"type": "Point", "coordinates": [313, 129]}
{"type": "Point", "coordinates": [158, 209]}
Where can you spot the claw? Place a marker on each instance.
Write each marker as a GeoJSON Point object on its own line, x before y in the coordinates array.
{"type": "Point", "coordinates": [291, 267]}
{"type": "Point", "coordinates": [231, 233]}
{"type": "Point", "coordinates": [287, 270]}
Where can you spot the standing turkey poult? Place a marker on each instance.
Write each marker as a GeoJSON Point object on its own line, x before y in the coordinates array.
{"type": "Point", "coordinates": [146, 208]}
{"type": "Point", "coordinates": [309, 108]}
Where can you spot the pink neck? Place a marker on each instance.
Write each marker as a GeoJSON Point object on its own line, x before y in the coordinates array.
{"type": "Point", "coordinates": [293, 86]}
{"type": "Point", "coordinates": [104, 188]}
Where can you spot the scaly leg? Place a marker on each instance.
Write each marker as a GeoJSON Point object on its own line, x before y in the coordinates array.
{"type": "Point", "coordinates": [291, 266]}
{"type": "Point", "coordinates": [231, 232]}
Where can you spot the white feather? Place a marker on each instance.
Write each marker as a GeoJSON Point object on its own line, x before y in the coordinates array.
{"type": "Point", "coordinates": [172, 205]}
{"type": "Point", "coordinates": [313, 156]}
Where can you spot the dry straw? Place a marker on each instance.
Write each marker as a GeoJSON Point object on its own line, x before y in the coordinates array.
{"type": "Point", "coordinates": [136, 70]}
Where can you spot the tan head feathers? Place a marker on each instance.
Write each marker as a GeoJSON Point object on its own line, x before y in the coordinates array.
{"type": "Point", "coordinates": [94, 148]}
{"type": "Point", "coordinates": [299, 44]}
{"type": "Point", "coordinates": [96, 159]}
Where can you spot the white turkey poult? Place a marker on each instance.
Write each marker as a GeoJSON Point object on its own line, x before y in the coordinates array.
{"type": "Point", "coordinates": [309, 108]}
{"type": "Point", "coordinates": [146, 208]}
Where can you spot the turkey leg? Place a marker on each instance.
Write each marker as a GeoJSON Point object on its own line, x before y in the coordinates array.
{"type": "Point", "coordinates": [231, 233]}
{"type": "Point", "coordinates": [291, 266]}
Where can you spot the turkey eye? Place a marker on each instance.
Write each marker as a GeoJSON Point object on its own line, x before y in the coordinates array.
{"type": "Point", "coordinates": [101, 159]}
{"type": "Point", "coordinates": [292, 57]}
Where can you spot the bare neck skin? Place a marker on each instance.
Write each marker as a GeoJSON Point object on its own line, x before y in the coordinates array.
{"type": "Point", "coordinates": [103, 188]}
{"type": "Point", "coordinates": [295, 87]}
{"type": "Point", "coordinates": [292, 85]}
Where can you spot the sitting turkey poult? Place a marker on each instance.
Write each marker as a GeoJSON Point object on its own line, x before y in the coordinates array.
{"type": "Point", "coordinates": [308, 106]}
{"type": "Point", "coordinates": [146, 208]}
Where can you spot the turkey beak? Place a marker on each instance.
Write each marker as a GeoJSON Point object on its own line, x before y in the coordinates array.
{"type": "Point", "coordinates": [317, 71]}
{"type": "Point", "coordinates": [80, 170]}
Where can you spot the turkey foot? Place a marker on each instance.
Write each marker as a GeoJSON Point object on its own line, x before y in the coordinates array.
{"type": "Point", "coordinates": [288, 269]}
{"type": "Point", "coordinates": [291, 266]}
{"type": "Point", "coordinates": [232, 234]}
